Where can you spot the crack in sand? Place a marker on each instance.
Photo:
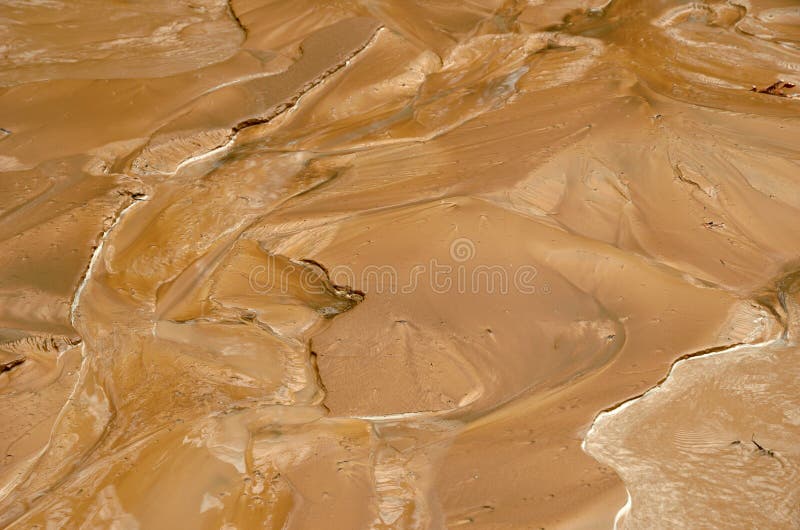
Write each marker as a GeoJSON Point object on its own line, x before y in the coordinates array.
{"type": "Point", "coordinates": [235, 17]}
{"type": "Point", "coordinates": [136, 198]}
{"type": "Point", "coordinates": [141, 163]}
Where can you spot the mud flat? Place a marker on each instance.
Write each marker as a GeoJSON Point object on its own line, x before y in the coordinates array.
{"type": "Point", "coordinates": [295, 264]}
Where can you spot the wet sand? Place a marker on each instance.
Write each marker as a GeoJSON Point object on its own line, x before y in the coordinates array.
{"type": "Point", "coordinates": [399, 264]}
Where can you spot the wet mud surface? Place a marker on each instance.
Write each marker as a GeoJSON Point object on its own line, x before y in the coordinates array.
{"type": "Point", "coordinates": [399, 264]}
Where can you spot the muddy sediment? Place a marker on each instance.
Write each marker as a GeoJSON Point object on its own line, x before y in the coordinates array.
{"type": "Point", "coordinates": [399, 264]}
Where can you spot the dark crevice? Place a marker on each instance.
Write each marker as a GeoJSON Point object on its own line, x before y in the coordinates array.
{"type": "Point", "coordinates": [235, 17]}
{"type": "Point", "coordinates": [778, 88]}
{"type": "Point", "coordinates": [10, 365]}
{"type": "Point", "coordinates": [283, 107]}
{"type": "Point", "coordinates": [700, 353]}
{"type": "Point", "coordinates": [271, 114]}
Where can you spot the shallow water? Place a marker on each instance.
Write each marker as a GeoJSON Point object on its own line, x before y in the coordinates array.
{"type": "Point", "coordinates": [272, 264]}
